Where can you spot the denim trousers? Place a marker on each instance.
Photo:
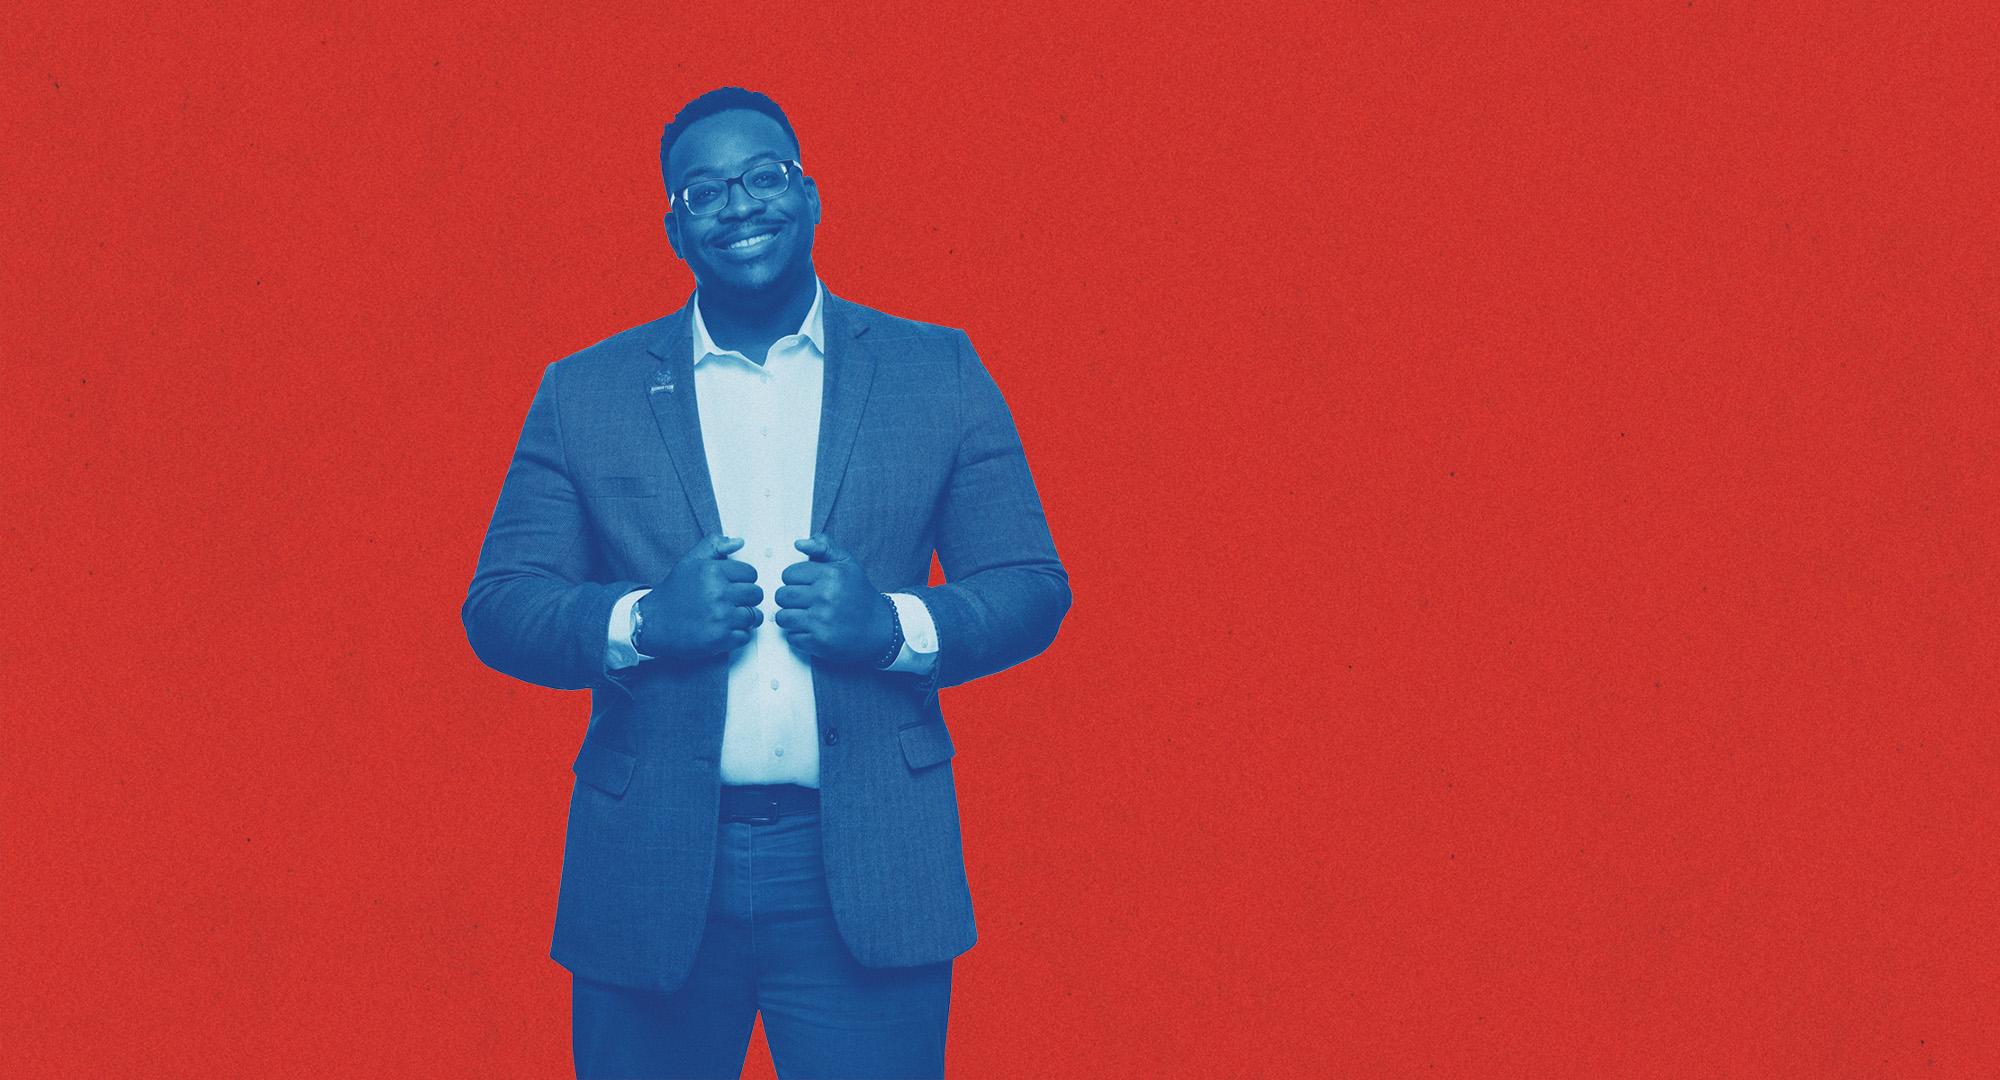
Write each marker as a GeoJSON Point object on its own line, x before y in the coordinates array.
{"type": "Point", "coordinates": [770, 947]}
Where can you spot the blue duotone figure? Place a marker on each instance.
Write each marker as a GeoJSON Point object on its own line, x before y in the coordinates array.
{"type": "Point", "coordinates": [721, 524]}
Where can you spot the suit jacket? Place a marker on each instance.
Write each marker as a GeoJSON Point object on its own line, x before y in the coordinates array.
{"type": "Point", "coordinates": [609, 485]}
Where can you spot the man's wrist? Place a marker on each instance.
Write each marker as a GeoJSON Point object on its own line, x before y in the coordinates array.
{"type": "Point", "coordinates": [620, 652]}
{"type": "Point", "coordinates": [920, 642]}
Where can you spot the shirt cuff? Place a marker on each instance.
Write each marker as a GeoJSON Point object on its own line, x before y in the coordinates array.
{"type": "Point", "coordinates": [618, 651]}
{"type": "Point", "coordinates": [920, 644]}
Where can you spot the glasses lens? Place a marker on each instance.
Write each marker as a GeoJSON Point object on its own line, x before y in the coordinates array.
{"type": "Point", "coordinates": [706, 197]}
{"type": "Point", "coordinates": [766, 181]}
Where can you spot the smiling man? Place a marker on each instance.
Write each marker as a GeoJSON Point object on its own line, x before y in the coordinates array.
{"type": "Point", "coordinates": [722, 523]}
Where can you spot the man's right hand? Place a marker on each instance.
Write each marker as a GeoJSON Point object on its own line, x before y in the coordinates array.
{"type": "Point", "coordinates": [707, 604]}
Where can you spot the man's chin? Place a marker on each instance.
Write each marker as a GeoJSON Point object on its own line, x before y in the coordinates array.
{"type": "Point", "coordinates": [747, 282]}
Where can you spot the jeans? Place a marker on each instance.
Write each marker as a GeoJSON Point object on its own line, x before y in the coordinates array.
{"type": "Point", "coordinates": [770, 946]}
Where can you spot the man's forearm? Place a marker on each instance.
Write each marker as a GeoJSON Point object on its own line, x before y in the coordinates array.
{"type": "Point", "coordinates": [531, 611]}
{"type": "Point", "coordinates": [990, 621]}
{"type": "Point", "coordinates": [541, 631]}
{"type": "Point", "coordinates": [1006, 591]}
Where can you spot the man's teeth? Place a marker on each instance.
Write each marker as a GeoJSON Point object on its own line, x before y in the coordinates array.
{"type": "Point", "coordinates": [751, 241]}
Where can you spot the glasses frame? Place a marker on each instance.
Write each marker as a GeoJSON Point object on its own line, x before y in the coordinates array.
{"type": "Point", "coordinates": [678, 200]}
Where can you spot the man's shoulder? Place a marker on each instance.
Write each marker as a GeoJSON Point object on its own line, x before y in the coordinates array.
{"type": "Point", "coordinates": [624, 347]}
{"type": "Point", "coordinates": [880, 326]}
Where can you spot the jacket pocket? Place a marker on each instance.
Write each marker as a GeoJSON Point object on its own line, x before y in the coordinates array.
{"type": "Point", "coordinates": [604, 768]}
{"type": "Point", "coordinates": [926, 744]}
{"type": "Point", "coordinates": [614, 487]}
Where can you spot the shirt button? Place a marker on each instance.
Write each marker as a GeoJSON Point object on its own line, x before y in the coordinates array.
{"type": "Point", "coordinates": [774, 684]}
{"type": "Point", "coordinates": [780, 751]}
{"type": "Point", "coordinates": [767, 553]}
{"type": "Point", "coordinates": [832, 736]}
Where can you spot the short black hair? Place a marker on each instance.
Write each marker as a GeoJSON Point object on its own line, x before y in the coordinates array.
{"type": "Point", "coordinates": [720, 99]}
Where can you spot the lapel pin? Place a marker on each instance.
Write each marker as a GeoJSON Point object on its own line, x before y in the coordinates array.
{"type": "Point", "coordinates": [662, 380]}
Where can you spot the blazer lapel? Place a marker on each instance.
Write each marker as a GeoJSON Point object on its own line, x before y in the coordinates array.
{"type": "Point", "coordinates": [669, 388]}
{"type": "Point", "coordinates": [850, 373]}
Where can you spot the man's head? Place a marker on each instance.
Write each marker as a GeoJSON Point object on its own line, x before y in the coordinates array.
{"type": "Point", "coordinates": [738, 242]}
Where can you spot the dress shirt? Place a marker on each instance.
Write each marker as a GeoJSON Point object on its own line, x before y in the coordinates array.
{"type": "Point", "coordinates": [760, 432]}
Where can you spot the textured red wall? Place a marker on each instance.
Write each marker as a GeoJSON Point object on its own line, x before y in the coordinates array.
{"type": "Point", "coordinates": [1524, 477]}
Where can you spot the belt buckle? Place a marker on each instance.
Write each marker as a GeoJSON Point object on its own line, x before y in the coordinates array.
{"type": "Point", "coordinates": [766, 815]}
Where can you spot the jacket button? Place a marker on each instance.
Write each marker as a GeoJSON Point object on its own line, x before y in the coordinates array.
{"type": "Point", "coordinates": [832, 736]}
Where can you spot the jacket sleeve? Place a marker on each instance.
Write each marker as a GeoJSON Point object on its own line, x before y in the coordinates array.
{"type": "Point", "coordinates": [1005, 592]}
{"type": "Point", "coordinates": [531, 611]}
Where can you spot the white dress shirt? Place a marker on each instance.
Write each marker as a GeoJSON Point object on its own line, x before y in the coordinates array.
{"type": "Point", "coordinates": [760, 431]}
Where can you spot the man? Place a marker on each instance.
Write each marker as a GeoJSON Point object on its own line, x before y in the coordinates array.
{"type": "Point", "coordinates": [722, 523]}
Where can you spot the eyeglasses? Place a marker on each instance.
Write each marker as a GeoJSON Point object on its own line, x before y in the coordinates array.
{"type": "Point", "coordinates": [766, 182]}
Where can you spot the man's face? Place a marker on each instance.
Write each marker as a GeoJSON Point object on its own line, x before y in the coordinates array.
{"type": "Point", "coordinates": [723, 146]}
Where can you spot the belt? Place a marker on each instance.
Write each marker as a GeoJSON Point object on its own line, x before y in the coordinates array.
{"type": "Point", "coordinates": [762, 804]}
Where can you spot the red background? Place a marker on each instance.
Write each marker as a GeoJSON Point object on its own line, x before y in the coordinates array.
{"type": "Point", "coordinates": [1520, 474]}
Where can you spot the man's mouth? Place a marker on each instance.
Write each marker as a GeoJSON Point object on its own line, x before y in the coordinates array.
{"type": "Point", "coordinates": [751, 242]}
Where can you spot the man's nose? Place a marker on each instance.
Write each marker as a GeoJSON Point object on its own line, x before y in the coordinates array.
{"type": "Point", "coordinates": [738, 202]}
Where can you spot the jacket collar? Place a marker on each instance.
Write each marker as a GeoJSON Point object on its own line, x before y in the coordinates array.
{"type": "Point", "coordinates": [850, 374]}
{"type": "Point", "coordinates": [812, 328]}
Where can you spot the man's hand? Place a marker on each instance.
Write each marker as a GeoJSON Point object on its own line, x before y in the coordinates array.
{"type": "Point", "coordinates": [828, 609]}
{"type": "Point", "coordinates": [707, 604]}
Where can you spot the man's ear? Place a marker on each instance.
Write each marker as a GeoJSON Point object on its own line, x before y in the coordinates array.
{"type": "Point", "coordinates": [673, 223]}
{"type": "Point", "coordinates": [812, 196]}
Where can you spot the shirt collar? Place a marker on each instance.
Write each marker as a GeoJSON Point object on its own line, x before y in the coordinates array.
{"type": "Point", "coordinates": [813, 329]}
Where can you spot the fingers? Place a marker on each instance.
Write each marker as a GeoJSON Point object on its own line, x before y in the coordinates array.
{"type": "Point", "coordinates": [735, 569]}
{"type": "Point", "coordinates": [792, 623]}
{"type": "Point", "coordinates": [743, 594]}
{"type": "Point", "coordinates": [793, 596]}
{"type": "Point", "coordinates": [743, 618]}
{"type": "Point", "coordinates": [714, 546]}
{"type": "Point", "coordinates": [802, 573]}
{"type": "Point", "coordinates": [820, 547]}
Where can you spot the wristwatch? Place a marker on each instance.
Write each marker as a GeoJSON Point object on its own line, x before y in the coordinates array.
{"type": "Point", "coordinates": [895, 635]}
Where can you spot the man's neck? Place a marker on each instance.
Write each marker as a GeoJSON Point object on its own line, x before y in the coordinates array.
{"type": "Point", "coordinates": [750, 323]}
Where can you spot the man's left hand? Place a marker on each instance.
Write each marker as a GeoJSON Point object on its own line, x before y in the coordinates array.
{"type": "Point", "coordinates": [827, 608]}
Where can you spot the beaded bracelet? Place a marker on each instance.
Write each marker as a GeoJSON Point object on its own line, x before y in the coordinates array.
{"type": "Point", "coordinates": [895, 635]}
